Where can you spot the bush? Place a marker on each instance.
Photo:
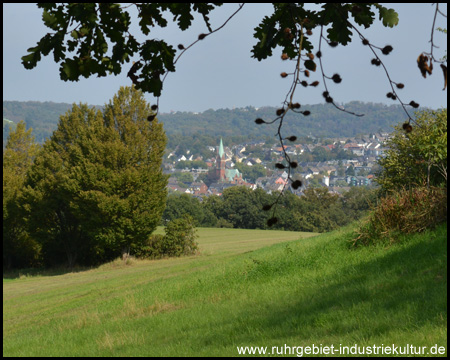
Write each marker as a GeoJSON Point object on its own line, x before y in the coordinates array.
{"type": "Point", "coordinates": [404, 212]}
{"type": "Point", "coordinates": [150, 249]}
{"type": "Point", "coordinates": [180, 239]}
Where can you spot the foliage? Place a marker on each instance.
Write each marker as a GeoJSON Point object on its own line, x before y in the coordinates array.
{"type": "Point", "coordinates": [417, 157]}
{"type": "Point", "coordinates": [97, 187]}
{"type": "Point", "coordinates": [101, 37]}
{"type": "Point", "coordinates": [95, 27]}
{"type": "Point", "coordinates": [19, 249]}
{"type": "Point", "coordinates": [178, 206]}
{"type": "Point", "coordinates": [406, 211]}
{"type": "Point", "coordinates": [150, 248]}
{"type": "Point", "coordinates": [180, 238]}
{"type": "Point", "coordinates": [251, 173]}
{"type": "Point", "coordinates": [239, 207]}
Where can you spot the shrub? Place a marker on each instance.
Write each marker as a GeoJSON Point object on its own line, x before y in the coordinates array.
{"type": "Point", "coordinates": [150, 249]}
{"type": "Point", "coordinates": [180, 238]}
{"type": "Point", "coordinates": [404, 212]}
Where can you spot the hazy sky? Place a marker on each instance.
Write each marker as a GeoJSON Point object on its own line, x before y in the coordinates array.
{"type": "Point", "coordinates": [220, 73]}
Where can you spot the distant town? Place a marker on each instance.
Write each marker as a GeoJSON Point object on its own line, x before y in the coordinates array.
{"type": "Point", "coordinates": [337, 164]}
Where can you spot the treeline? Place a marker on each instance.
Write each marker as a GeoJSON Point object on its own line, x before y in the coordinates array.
{"type": "Point", "coordinates": [324, 121]}
{"type": "Point", "coordinates": [42, 117]}
{"type": "Point", "coordinates": [240, 207]}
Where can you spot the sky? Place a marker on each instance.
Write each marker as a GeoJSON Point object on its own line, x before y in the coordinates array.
{"type": "Point", "coordinates": [219, 72]}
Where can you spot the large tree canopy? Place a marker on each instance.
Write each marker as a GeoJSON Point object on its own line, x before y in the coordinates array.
{"type": "Point", "coordinates": [97, 186]}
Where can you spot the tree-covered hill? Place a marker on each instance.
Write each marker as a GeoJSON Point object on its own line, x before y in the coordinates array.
{"type": "Point", "coordinates": [42, 117]}
{"type": "Point", "coordinates": [324, 121]}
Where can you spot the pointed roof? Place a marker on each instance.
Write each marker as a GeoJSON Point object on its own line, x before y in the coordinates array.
{"type": "Point", "coordinates": [221, 151]}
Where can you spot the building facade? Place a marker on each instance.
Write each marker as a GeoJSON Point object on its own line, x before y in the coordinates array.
{"type": "Point", "coordinates": [221, 173]}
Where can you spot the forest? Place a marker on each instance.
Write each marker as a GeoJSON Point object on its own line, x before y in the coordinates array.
{"type": "Point", "coordinates": [324, 120]}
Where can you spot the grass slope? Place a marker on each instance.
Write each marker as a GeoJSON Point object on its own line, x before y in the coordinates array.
{"type": "Point", "coordinates": [299, 293]}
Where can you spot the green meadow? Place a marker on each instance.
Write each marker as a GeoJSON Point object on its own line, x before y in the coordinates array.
{"type": "Point", "coordinates": [245, 288]}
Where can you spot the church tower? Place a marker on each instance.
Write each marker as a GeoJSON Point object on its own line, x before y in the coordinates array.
{"type": "Point", "coordinates": [220, 163]}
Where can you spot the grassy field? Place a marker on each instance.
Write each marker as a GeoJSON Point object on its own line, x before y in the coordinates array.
{"type": "Point", "coordinates": [246, 288]}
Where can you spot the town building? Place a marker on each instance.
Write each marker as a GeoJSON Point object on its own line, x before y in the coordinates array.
{"type": "Point", "coordinates": [221, 172]}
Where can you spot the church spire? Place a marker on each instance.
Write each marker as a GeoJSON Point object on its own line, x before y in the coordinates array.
{"type": "Point", "coordinates": [221, 152]}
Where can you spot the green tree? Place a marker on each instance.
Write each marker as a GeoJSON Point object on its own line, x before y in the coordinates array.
{"type": "Point", "coordinates": [322, 210]}
{"type": "Point", "coordinates": [179, 205]}
{"type": "Point", "coordinates": [241, 206]}
{"type": "Point", "coordinates": [19, 249]}
{"type": "Point", "coordinates": [97, 187]}
{"type": "Point", "coordinates": [418, 157]}
{"type": "Point", "coordinates": [184, 177]}
{"type": "Point", "coordinates": [251, 173]}
{"type": "Point", "coordinates": [53, 187]}
{"type": "Point", "coordinates": [358, 200]}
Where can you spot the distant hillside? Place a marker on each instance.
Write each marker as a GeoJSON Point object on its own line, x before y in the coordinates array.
{"type": "Point", "coordinates": [324, 121]}
{"type": "Point", "coordinates": [42, 117]}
